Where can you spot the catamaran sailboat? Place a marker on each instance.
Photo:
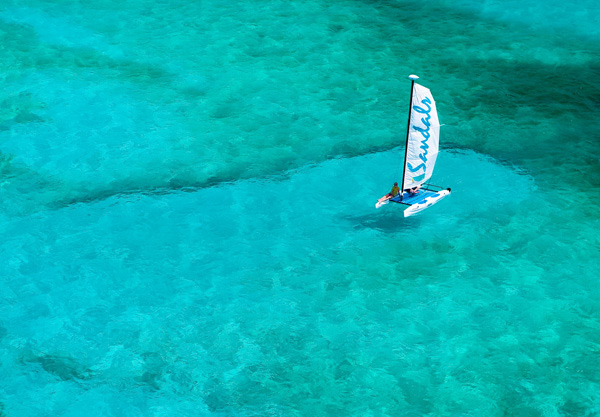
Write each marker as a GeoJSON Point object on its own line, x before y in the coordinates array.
{"type": "Point", "coordinates": [422, 143]}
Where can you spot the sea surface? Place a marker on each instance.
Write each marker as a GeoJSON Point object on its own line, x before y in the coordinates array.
{"type": "Point", "coordinates": [187, 214]}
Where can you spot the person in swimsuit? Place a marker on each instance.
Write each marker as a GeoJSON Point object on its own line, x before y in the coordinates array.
{"type": "Point", "coordinates": [414, 190]}
{"type": "Point", "coordinates": [391, 194]}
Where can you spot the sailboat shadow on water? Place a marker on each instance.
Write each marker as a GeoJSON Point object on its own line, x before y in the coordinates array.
{"type": "Point", "coordinates": [387, 223]}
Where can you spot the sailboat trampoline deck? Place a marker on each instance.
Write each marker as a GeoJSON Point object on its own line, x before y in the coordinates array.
{"type": "Point", "coordinates": [410, 199]}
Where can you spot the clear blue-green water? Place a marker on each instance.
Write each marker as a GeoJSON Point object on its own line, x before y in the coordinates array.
{"type": "Point", "coordinates": [187, 220]}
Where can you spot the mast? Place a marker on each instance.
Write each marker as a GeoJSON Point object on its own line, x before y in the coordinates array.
{"type": "Point", "coordinates": [412, 87]}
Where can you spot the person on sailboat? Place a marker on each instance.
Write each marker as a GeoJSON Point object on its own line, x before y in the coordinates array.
{"type": "Point", "coordinates": [391, 194]}
{"type": "Point", "coordinates": [413, 191]}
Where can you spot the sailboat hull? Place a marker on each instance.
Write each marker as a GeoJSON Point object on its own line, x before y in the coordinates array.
{"type": "Point", "coordinates": [381, 203]}
{"type": "Point", "coordinates": [425, 202]}
{"type": "Point", "coordinates": [417, 202]}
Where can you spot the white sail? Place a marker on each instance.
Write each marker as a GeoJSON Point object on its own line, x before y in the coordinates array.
{"type": "Point", "coordinates": [423, 138]}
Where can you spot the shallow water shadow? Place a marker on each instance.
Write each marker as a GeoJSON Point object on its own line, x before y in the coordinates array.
{"type": "Point", "coordinates": [59, 196]}
{"type": "Point", "coordinates": [63, 367]}
{"type": "Point", "coordinates": [391, 221]}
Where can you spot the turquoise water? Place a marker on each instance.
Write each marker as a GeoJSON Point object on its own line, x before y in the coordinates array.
{"type": "Point", "coordinates": [186, 209]}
